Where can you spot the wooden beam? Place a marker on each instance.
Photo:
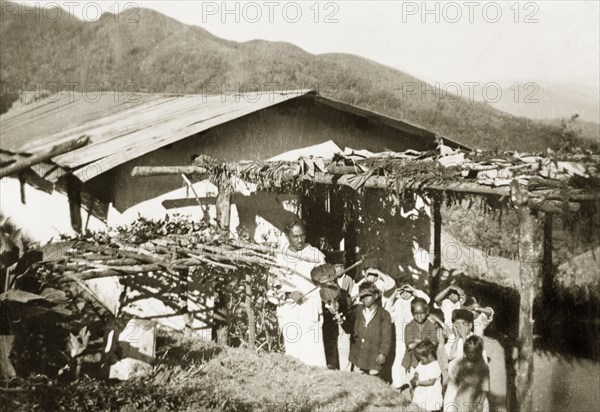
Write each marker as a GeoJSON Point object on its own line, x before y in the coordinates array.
{"type": "Point", "coordinates": [530, 267]}
{"type": "Point", "coordinates": [557, 207]}
{"type": "Point", "coordinates": [42, 157]}
{"type": "Point", "coordinates": [22, 181]}
{"type": "Point", "coordinates": [334, 169]}
{"type": "Point", "coordinates": [74, 196]}
{"type": "Point", "coordinates": [535, 203]}
{"type": "Point", "coordinates": [188, 201]}
{"type": "Point", "coordinates": [37, 182]}
{"type": "Point", "coordinates": [145, 171]}
{"type": "Point", "coordinates": [550, 200]}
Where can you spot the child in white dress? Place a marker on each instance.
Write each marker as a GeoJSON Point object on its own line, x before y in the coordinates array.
{"type": "Point", "coordinates": [427, 379]}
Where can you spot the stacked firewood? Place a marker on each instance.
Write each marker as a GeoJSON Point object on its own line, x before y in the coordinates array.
{"type": "Point", "coordinates": [115, 256]}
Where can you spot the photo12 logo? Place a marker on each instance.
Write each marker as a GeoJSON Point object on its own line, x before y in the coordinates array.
{"type": "Point", "coordinates": [55, 91]}
{"type": "Point", "coordinates": [469, 11]}
{"type": "Point", "coordinates": [269, 11]}
{"type": "Point", "coordinates": [53, 12]}
{"type": "Point", "coordinates": [489, 92]}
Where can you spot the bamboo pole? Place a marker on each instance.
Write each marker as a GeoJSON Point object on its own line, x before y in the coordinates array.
{"type": "Point", "coordinates": [55, 151]}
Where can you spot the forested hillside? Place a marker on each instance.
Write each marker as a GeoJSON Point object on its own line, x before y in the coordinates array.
{"type": "Point", "coordinates": [159, 54]}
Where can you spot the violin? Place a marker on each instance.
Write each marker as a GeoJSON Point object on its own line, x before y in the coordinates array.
{"type": "Point", "coordinates": [330, 294]}
{"type": "Point", "coordinates": [324, 277]}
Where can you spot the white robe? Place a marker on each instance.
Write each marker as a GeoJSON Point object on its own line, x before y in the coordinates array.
{"type": "Point", "coordinates": [301, 324]}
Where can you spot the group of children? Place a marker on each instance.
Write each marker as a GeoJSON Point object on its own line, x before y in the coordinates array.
{"type": "Point", "coordinates": [439, 354]}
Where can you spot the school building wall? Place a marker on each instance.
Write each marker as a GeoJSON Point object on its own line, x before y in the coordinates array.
{"type": "Point", "coordinates": [290, 125]}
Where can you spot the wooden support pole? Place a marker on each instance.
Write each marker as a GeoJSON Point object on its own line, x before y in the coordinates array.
{"type": "Point", "coordinates": [548, 268]}
{"type": "Point", "coordinates": [437, 232]}
{"type": "Point", "coordinates": [223, 207]}
{"type": "Point", "coordinates": [436, 243]}
{"type": "Point", "coordinates": [22, 181]}
{"type": "Point", "coordinates": [74, 196]}
{"type": "Point", "coordinates": [188, 318]}
{"type": "Point", "coordinates": [220, 310]}
{"type": "Point", "coordinates": [42, 157]}
{"type": "Point", "coordinates": [250, 313]}
{"type": "Point", "coordinates": [530, 267]}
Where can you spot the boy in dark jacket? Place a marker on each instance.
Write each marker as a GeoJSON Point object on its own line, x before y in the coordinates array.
{"type": "Point", "coordinates": [370, 328]}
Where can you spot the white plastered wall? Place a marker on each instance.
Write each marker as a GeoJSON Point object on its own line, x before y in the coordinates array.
{"type": "Point", "coordinates": [45, 217]}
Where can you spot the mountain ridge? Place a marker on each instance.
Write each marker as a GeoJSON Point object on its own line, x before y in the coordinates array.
{"type": "Point", "coordinates": [160, 54]}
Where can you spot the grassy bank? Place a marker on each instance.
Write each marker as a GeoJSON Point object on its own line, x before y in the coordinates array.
{"type": "Point", "coordinates": [197, 375]}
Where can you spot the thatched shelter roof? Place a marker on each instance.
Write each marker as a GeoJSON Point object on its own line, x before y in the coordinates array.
{"type": "Point", "coordinates": [553, 181]}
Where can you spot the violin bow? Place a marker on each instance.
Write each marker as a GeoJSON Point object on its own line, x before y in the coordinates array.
{"type": "Point", "coordinates": [337, 275]}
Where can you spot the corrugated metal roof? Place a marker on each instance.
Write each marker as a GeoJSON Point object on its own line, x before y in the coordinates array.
{"type": "Point", "coordinates": [121, 127]}
{"type": "Point", "coordinates": [125, 126]}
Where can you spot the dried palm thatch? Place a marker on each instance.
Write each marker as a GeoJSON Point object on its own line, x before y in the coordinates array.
{"type": "Point", "coordinates": [553, 181]}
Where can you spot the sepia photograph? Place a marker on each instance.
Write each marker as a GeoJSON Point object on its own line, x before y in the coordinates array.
{"type": "Point", "coordinates": [330, 206]}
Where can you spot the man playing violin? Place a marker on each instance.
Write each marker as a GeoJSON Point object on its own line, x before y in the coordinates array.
{"type": "Point", "coordinates": [298, 303]}
{"type": "Point", "coordinates": [335, 305]}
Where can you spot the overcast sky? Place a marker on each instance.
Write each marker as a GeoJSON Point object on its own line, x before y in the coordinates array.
{"type": "Point", "coordinates": [435, 41]}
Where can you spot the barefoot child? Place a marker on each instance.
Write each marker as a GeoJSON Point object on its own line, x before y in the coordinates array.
{"type": "Point", "coordinates": [469, 380]}
{"type": "Point", "coordinates": [427, 378]}
{"type": "Point", "coordinates": [401, 316]}
{"type": "Point", "coordinates": [417, 330]}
